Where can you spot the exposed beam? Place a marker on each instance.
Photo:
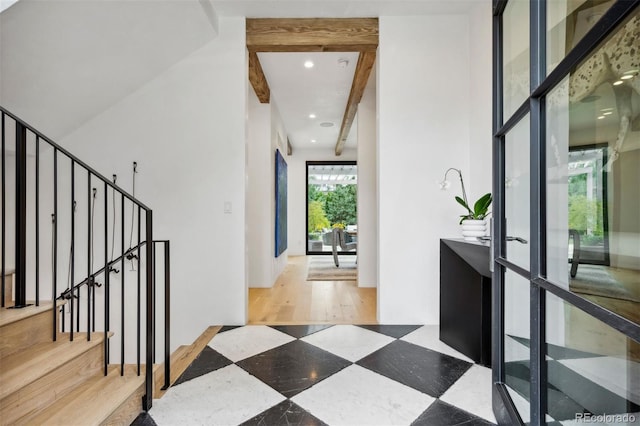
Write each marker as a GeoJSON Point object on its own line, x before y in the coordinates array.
{"type": "Point", "coordinates": [360, 79]}
{"type": "Point", "coordinates": [257, 79]}
{"type": "Point", "coordinates": [312, 35]}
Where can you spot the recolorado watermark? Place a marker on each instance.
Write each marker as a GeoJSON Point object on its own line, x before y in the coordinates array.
{"type": "Point", "coordinates": [605, 418]}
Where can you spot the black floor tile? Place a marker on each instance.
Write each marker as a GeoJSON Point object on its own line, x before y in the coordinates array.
{"type": "Point", "coordinates": [559, 352]}
{"type": "Point", "coordinates": [286, 413]}
{"type": "Point", "coordinates": [417, 367]}
{"type": "Point", "coordinates": [228, 327]}
{"type": "Point", "coordinates": [143, 419]}
{"type": "Point", "coordinates": [442, 414]}
{"type": "Point", "coordinates": [299, 331]}
{"type": "Point", "coordinates": [293, 367]}
{"type": "Point", "coordinates": [396, 331]}
{"type": "Point", "coordinates": [207, 361]}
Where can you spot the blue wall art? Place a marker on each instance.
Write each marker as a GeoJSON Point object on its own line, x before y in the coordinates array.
{"type": "Point", "coordinates": [281, 204]}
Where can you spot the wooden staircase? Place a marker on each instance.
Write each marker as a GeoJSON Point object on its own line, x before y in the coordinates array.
{"type": "Point", "coordinates": [43, 382]}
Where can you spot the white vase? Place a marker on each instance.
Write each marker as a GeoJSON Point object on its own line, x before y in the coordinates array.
{"type": "Point", "coordinates": [472, 229]}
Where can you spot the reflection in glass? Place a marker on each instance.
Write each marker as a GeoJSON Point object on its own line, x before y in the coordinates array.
{"type": "Point", "coordinates": [592, 369]}
{"type": "Point", "coordinates": [593, 169]}
{"type": "Point", "coordinates": [517, 176]}
{"type": "Point", "coordinates": [567, 23]}
{"type": "Point", "coordinates": [515, 51]}
{"type": "Point", "coordinates": [516, 338]}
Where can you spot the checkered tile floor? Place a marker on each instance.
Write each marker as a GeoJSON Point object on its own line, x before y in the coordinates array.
{"type": "Point", "coordinates": [327, 375]}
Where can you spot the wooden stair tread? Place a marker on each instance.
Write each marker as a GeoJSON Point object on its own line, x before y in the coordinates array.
{"type": "Point", "coordinates": [92, 402]}
{"type": "Point", "coordinates": [9, 316]}
{"type": "Point", "coordinates": [20, 369]}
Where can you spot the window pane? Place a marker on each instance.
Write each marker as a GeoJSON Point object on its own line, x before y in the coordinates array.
{"type": "Point", "coordinates": [516, 341]}
{"type": "Point", "coordinates": [591, 368]}
{"type": "Point", "coordinates": [332, 195]}
{"type": "Point", "coordinates": [593, 176]}
{"type": "Point", "coordinates": [517, 186]}
{"type": "Point", "coordinates": [567, 23]}
{"type": "Point", "coordinates": [515, 50]}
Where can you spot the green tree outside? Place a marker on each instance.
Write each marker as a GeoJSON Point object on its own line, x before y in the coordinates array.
{"type": "Point", "coordinates": [317, 217]}
{"type": "Point", "coordinates": [341, 205]}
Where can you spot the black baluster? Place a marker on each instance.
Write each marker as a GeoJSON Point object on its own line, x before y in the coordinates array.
{"type": "Point", "coordinates": [107, 273]}
{"type": "Point", "coordinates": [38, 220]}
{"type": "Point", "coordinates": [21, 217]}
{"type": "Point", "coordinates": [54, 244]}
{"type": "Point", "coordinates": [72, 250]}
{"type": "Point", "coordinates": [4, 216]}
{"type": "Point", "coordinates": [90, 280]}
{"type": "Point", "coordinates": [139, 296]}
{"type": "Point", "coordinates": [122, 260]}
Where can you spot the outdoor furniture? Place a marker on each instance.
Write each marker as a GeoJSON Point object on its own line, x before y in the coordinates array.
{"type": "Point", "coordinates": [575, 257]}
{"type": "Point", "coordinates": [339, 240]}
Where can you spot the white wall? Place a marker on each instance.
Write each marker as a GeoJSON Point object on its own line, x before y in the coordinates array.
{"type": "Point", "coordinates": [298, 192]}
{"type": "Point", "coordinates": [367, 189]}
{"type": "Point", "coordinates": [186, 129]}
{"type": "Point", "coordinates": [424, 128]}
{"type": "Point", "coordinates": [478, 180]}
{"type": "Point", "coordinates": [259, 214]}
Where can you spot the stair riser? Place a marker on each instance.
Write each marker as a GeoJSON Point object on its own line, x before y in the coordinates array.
{"type": "Point", "coordinates": [127, 412]}
{"type": "Point", "coordinates": [51, 387]}
{"type": "Point", "coordinates": [21, 335]}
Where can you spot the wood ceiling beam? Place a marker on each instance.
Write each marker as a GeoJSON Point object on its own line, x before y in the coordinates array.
{"type": "Point", "coordinates": [312, 35]}
{"type": "Point", "coordinates": [360, 79]}
{"type": "Point", "coordinates": [258, 80]}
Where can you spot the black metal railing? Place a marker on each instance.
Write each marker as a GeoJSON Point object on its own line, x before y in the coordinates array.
{"type": "Point", "coordinates": [49, 185]}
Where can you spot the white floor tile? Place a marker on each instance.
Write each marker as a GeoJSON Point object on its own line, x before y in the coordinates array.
{"type": "Point", "coordinates": [428, 337]}
{"type": "Point", "coordinates": [348, 341]}
{"type": "Point", "coordinates": [620, 376]}
{"type": "Point", "coordinates": [243, 342]}
{"type": "Point", "coordinates": [228, 396]}
{"type": "Point", "coordinates": [357, 396]}
{"type": "Point", "coordinates": [472, 393]}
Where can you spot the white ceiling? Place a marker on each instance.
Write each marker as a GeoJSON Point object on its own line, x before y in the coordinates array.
{"type": "Point", "coordinates": [61, 79]}
{"type": "Point", "coordinates": [340, 9]}
{"type": "Point", "coordinates": [322, 90]}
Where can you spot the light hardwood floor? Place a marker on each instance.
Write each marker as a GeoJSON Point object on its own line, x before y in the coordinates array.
{"type": "Point", "coordinates": [293, 300]}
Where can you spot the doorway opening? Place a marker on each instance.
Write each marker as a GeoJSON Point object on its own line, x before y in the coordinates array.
{"type": "Point", "coordinates": [332, 202]}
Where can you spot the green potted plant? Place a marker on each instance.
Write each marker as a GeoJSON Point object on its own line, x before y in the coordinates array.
{"type": "Point", "coordinates": [474, 222]}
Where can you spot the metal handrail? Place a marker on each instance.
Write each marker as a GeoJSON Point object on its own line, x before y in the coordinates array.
{"type": "Point", "coordinates": [76, 160]}
{"type": "Point", "coordinates": [73, 290]}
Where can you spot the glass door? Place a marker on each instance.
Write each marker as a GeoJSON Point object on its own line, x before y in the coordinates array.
{"type": "Point", "coordinates": [566, 237]}
{"type": "Point", "coordinates": [332, 202]}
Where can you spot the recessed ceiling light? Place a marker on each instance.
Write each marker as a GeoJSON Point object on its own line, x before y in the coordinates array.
{"type": "Point", "coordinates": [618, 83]}
{"type": "Point", "coordinates": [308, 64]}
{"type": "Point", "coordinates": [631, 72]}
{"type": "Point", "coordinates": [607, 113]}
{"type": "Point", "coordinates": [606, 109]}
{"type": "Point", "coordinates": [627, 77]}
{"type": "Point", "coordinates": [312, 116]}
{"type": "Point", "coordinates": [601, 117]}
{"type": "Point", "coordinates": [313, 141]}
{"type": "Point", "coordinates": [326, 124]}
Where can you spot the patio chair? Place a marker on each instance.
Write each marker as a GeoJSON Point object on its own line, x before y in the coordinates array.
{"type": "Point", "coordinates": [339, 241]}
